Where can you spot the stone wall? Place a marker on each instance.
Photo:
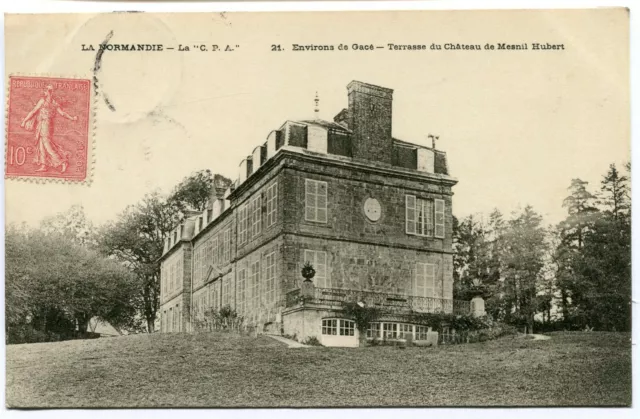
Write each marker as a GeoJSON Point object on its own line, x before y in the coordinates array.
{"type": "Point", "coordinates": [368, 267]}
{"type": "Point", "coordinates": [347, 189]}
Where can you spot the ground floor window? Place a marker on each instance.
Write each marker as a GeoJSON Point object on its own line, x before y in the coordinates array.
{"type": "Point", "coordinates": [330, 327]}
{"type": "Point", "coordinates": [389, 330]}
{"type": "Point", "coordinates": [392, 330]}
{"type": "Point", "coordinates": [421, 332]}
{"type": "Point", "coordinates": [342, 327]}
{"type": "Point", "coordinates": [347, 328]}
{"type": "Point", "coordinates": [404, 330]}
{"type": "Point", "coordinates": [373, 331]}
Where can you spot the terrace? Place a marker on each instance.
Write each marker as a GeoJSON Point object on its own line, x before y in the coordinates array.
{"type": "Point", "coordinates": [333, 298]}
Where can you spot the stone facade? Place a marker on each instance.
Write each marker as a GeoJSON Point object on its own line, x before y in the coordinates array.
{"type": "Point", "coordinates": [370, 212]}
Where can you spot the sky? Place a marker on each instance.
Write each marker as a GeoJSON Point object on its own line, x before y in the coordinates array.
{"type": "Point", "coordinates": [517, 126]}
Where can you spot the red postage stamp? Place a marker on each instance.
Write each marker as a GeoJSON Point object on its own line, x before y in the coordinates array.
{"type": "Point", "coordinates": [48, 128]}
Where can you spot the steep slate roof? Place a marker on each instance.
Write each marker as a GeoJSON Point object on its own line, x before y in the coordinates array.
{"type": "Point", "coordinates": [440, 157]}
{"type": "Point", "coordinates": [325, 124]}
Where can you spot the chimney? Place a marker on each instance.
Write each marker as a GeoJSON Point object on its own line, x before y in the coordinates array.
{"type": "Point", "coordinates": [369, 119]}
{"type": "Point", "coordinates": [218, 190]}
{"type": "Point", "coordinates": [342, 118]}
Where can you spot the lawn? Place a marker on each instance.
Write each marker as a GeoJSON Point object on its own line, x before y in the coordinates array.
{"type": "Point", "coordinates": [222, 370]}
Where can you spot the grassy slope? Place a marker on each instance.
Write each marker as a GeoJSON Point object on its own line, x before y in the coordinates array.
{"type": "Point", "coordinates": [217, 370]}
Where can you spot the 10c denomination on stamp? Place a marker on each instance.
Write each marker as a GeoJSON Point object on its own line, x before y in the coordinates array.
{"type": "Point", "coordinates": [48, 128]}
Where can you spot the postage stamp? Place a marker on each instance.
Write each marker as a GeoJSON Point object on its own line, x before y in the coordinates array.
{"type": "Point", "coordinates": [48, 128]}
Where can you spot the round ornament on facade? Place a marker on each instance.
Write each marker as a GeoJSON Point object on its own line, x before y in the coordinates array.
{"type": "Point", "coordinates": [372, 209]}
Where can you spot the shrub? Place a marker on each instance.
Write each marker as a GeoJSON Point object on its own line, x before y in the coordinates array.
{"type": "Point", "coordinates": [459, 322]}
{"type": "Point", "coordinates": [312, 341]}
{"type": "Point", "coordinates": [361, 315]}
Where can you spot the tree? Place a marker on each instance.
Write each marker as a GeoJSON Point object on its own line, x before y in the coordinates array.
{"type": "Point", "coordinates": [136, 239]}
{"type": "Point", "coordinates": [523, 258]}
{"type": "Point", "coordinates": [195, 190]}
{"type": "Point", "coordinates": [582, 213]}
{"type": "Point", "coordinates": [54, 285]}
{"type": "Point", "coordinates": [581, 207]}
{"type": "Point", "coordinates": [594, 266]}
{"type": "Point", "coordinates": [475, 270]}
{"type": "Point", "coordinates": [477, 261]}
{"type": "Point", "coordinates": [601, 290]}
{"type": "Point", "coordinates": [72, 224]}
{"type": "Point", "coordinates": [615, 193]}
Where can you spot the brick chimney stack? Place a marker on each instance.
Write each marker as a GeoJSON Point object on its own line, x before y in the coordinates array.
{"type": "Point", "coordinates": [369, 119]}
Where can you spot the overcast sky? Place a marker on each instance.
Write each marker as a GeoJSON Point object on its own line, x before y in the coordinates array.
{"type": "Point", "coordinates": [517, 126]}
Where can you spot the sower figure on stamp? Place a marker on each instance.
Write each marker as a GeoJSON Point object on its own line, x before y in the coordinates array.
{"type": "Point", "coordinates": [48, 153]}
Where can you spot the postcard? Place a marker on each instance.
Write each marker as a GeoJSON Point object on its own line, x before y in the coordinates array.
{"type": "Point", "coordinates": [318, 209]}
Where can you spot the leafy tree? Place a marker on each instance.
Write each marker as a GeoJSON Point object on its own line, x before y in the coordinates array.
{"type": "Point", "coordinates": [72, 224]}
{"type": "Point", "coordinates": [523, 259]}
{"type": "Point", "coordinates": [477, 261]}
{"type": "Point", "coordinates": [136, 239]}
{"type": "Point", "coordinates": [54, 284]}
{"type": "Point", "coordinates": [194, 191]}
{"type": "Point", "coordinates": [474, 262]}
{"type": "Point", "coordinates": [601, 290]}
{"type": "Point", "coordinates": [593, 257]}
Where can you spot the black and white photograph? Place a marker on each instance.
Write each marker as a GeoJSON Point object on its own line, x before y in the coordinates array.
{"type": "Point", "coordinates": [329, 209]}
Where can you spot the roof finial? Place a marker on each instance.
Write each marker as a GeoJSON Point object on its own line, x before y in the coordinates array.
{"type": "Point", "coordinates": [316, 110]}
{"type": "Point", "coordinates": [434, 138]}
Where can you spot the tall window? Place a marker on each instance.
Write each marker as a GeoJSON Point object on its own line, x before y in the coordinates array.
{"type": "Point", "coordinates": [272, 199]}
{"type": "Point", "coordinates": [214, 251]}
{"type": "Point", "coordinates": [242, 275]}
{"type": "Point", "coordinates": [220, 249]}
{"type": "Point", "coordinates": [178, 271]}
{"type": "Point", "coordinates": [163, 275]}
{"type": "Point", "coordinates": [315, 201]}
{"type": "Point", "coordinates": [213, 296]}
{"type": "Point", "coordinates": [439, 217]}
{"type": "Point", "coordinates": [177, 314]}
{"type": "Point", "coordinates": [255, 285]}
{"type": "Point", "coordinates": [209, 249]}
{"type": "Point", "coordinates": [225, 292]}
{"type": "Point", "coordinates": [318, 259]}
{"type": "Point", "coordinates": [256, 216]}
{"type": "Point", "coordinates": [270, 278]}
{"type": "Point", "coordinates": [424, 217]}
{"type": "Point", "coordinates": [242, 225]}
{"type": "Point", "coordinates": [425, 279]}
{"type": "Point", "coordinates": [227, 245]}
